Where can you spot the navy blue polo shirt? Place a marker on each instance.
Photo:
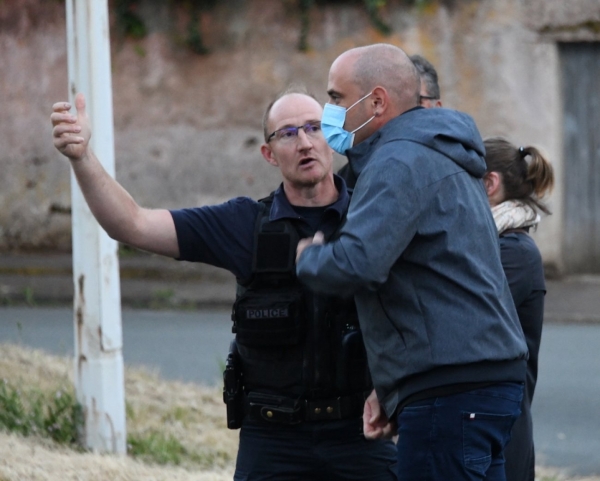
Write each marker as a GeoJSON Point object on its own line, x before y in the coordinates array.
{"type": "Point", "coordinates": [222, 235]}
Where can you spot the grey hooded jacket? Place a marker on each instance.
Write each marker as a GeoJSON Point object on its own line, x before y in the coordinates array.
{"type": "Point", "coordinates": [420, 253]}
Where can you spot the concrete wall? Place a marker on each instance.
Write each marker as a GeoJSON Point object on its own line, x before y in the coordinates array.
{"type": "Point", "coordinates": [187, 127]}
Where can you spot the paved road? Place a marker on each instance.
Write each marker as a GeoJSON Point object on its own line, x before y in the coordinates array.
{"type": "Point", "coordinates": [189, 346]}
{"type": "Point", "coordinates": [566, 406]}
{"type": "Point", "coordinates": [182, 345]}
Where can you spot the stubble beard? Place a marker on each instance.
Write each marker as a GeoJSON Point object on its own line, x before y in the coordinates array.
{"type": "Point", "coordinates": [313, 181]}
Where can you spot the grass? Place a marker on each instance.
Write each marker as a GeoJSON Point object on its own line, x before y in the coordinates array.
{"type": "Point", "coordinates": [157, 447]}
{"type": "Point", "coordinates": [29, 297]}
{"type": "Point", "coordinates": [176, 431]}
{"type": "Point", "coordinates": [162, 298]}
{"type": "Point", "coordinates": [25, 297]}
{"type": "Point", "coordinates": [56, 415]}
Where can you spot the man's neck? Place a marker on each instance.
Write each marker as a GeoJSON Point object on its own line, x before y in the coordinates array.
{"type": "Point", "coordinates": [321, 194]}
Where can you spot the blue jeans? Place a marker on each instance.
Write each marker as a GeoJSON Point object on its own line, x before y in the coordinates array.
{"type": "Point", "coordinates": [313, 451]}
{"type": "Point", "coordinates": [458, 437]}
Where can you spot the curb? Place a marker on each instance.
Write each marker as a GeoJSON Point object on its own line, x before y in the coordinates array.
{"type": "Point", "coordinates": [145, 280]}
{"type": "Point", "coordinates": [153, 281]}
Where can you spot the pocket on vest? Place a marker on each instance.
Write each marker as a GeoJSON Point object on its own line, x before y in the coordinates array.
{"type": "Point", "coordinates": [269, 318]}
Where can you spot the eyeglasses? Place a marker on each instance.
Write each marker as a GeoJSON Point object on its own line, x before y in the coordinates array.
{"type": "Point", "coordinates": [426, 97]}
{"type": "Point", "coordinates": [290, 134]}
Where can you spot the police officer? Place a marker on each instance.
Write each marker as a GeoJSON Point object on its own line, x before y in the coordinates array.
{"type": "Point", "coordinates": [296, 377]}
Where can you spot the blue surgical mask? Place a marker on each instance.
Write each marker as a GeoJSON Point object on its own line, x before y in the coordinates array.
{"type": "Point", "coordinates": [332, 125]}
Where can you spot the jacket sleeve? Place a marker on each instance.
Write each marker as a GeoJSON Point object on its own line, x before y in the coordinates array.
{"type": "Point", "coordinates": [522, 264]}
{"type": "Point", "coordinates": [382, 220]}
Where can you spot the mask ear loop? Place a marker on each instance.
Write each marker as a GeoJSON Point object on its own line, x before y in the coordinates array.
{"type": "Point", "coordinates": [358, 128]}
{"type": "Point", "coordinates": [358, 101]}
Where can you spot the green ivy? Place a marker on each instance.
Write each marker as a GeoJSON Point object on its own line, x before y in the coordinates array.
{"type": "Point", "coordinates": [131, 24]}
{"type": "Point", "coordinates": [374, 8]}
{"type": "Point", "coordinates": [128, 21]}
{"type": "Point", "coordinates": [304, 6]}
{"type": "Point", "coordinates": [194, 39]}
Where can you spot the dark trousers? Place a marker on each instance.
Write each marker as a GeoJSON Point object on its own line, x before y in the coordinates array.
{"type": "Point", "coordinates": [313, 451]}
{"type": "Point", "coordinates": [520, 453]}
{"type": "Point", "coordinates": [458, 437]}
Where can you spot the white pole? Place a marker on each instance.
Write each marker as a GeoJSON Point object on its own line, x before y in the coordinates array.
{"type": "Point", "coordinates": [99, 375]}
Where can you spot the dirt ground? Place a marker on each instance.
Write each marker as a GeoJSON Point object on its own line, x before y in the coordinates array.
{"type": "Point", "coordinates": [192, 414]}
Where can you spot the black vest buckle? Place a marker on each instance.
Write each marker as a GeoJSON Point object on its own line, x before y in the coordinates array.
{"type": "Point", "coordinates": [274, 409]}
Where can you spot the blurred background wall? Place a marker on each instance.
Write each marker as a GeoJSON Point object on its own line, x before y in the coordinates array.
{"type": "Point", "coordinates": [190, 88]}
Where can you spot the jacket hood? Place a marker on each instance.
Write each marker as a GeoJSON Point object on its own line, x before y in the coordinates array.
{"type": "Point", "coordinates": [449, 132]}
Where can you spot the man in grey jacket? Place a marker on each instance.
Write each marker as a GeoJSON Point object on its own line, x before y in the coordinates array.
{"type": "Point", "coordinates": [419, 251]}
{"type": "Point", "coordinates": [429, 97]}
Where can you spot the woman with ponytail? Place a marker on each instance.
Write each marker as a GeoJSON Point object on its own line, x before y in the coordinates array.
{"type": "Point", "coordinates": [516, 180]}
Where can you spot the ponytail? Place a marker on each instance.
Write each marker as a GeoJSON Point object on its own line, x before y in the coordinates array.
{"type": "Point", "coordinates": [540, 172]}
{"type": "Point", "coordinates": [528, 181]}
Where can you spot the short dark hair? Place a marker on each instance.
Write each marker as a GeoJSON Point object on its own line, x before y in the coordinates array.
{"type": "Point", "coordinates": [429, 75]}
{"type": "Point", "coordinates": [292, 89]}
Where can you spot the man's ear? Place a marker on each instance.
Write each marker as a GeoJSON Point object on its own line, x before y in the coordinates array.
{"type": "Point", "coordinates": [379, 100]}
{"type": "Point", "coordinates": [267, 153]}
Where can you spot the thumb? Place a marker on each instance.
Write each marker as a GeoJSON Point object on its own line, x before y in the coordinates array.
{"type": "Point", "coordinates": [375, 413]}
{"type": "Point", "coordinates": [80, 104]}
{"type": "Point", "coordinates": [319, 238]}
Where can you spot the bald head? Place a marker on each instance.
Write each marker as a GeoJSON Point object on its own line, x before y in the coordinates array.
{"type": "Point", "coordinates": [386, 66]}
{"type": "Point", "coordinates": [293, 90]}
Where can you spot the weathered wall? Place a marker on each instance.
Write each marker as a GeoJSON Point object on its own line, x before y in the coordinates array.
{"type": "Point", "coordinates": [187, 127]}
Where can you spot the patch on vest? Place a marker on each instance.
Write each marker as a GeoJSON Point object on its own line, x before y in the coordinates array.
{"type": "Point", "coordinates": [269, 317]}
{"type": "Point", "coordinates": [267, 313]}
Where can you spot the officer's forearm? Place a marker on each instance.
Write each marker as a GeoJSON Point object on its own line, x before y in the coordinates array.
{"type": "Point", "coordinates": [112, 206]}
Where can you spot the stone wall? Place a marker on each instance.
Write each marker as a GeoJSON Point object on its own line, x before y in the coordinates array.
{"type": "Point", "coordinates": [188, 127]}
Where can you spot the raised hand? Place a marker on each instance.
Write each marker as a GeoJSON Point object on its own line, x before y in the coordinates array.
{"type": "Point", "coordinates": [71, 133]}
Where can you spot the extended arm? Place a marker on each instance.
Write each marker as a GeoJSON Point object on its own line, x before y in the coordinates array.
{"type": "Point", "coordinates": [114, 209]}
{"type": "Point", "coordinates": [381, 221]}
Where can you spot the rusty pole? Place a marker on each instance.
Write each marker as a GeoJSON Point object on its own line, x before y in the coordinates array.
{"type": "Point", "coordinates": [99, 375]}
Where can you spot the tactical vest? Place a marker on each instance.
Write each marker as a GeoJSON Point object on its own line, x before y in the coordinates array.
{"type": "Point", "coordinates": [291, 341]}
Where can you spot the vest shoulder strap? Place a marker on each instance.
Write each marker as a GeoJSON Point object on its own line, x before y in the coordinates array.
{"type": "Point", "coordinates": [275, 243]}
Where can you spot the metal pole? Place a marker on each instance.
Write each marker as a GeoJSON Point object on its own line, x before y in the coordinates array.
{"type": "Point", "coordinates": [99, 374]}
